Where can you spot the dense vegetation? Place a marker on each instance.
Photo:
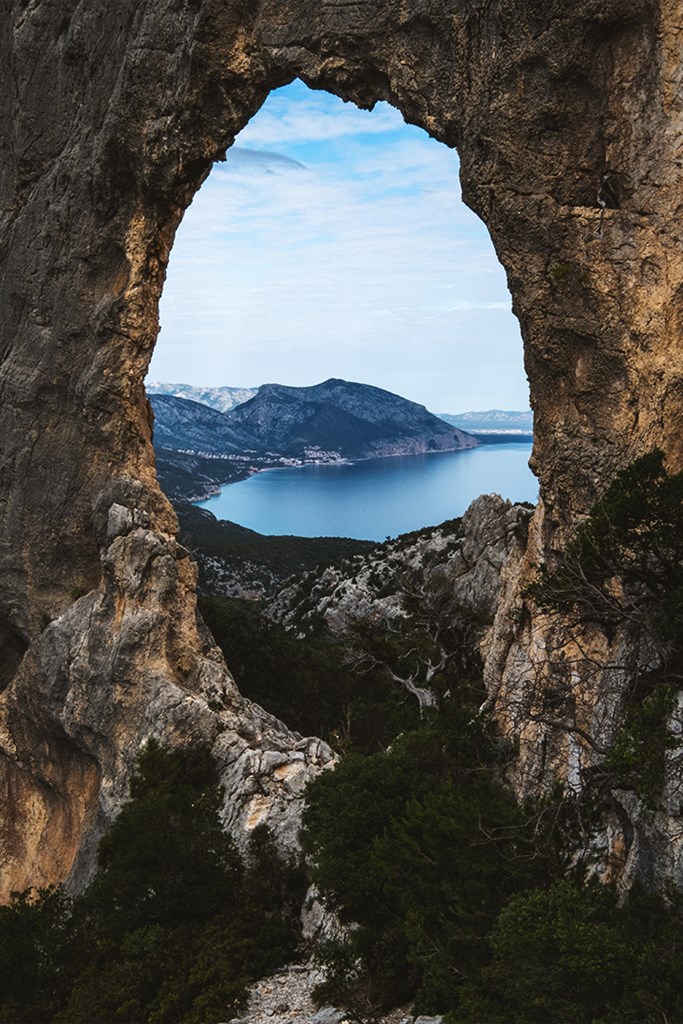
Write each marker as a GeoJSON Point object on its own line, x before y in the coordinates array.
{"type": "Point", "coordinates": [421, 846]}
{"type": "Point", "coordinates": [574, 953]}
{"type": "Point", "coordinates": [285, 555]}
{"type": "Point", "coordinates": [469, 904]}
{"type": "Point", "coordinates": [307, 684]}
{"type": "Point", "coordinates": [462, 901]}
{"type": "Point", "coordinates": [174, 925]}
{"type": "Point", "coordinates": [255, 556]}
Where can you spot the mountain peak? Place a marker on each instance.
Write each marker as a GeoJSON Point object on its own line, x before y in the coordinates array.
{"type": "Point", "coordinates": [354, 420]}
{"type": "Point", "coordinates": [221, 398]}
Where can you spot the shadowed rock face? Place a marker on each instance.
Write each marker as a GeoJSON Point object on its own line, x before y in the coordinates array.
{"type": "Point", "coordinates": [566, 117]}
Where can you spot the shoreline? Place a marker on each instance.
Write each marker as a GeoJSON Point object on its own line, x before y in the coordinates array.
{"type": "Point", "coordinates": [216, 489]}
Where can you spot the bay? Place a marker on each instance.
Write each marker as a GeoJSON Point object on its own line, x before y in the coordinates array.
{"type": "Point", "coordinates": [376, 498]}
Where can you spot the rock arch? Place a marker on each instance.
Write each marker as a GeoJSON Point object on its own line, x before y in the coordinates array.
{"type": "Point", "coordinates": [566, 117]}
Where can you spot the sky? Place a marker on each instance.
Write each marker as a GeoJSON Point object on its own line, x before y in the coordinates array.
{"type": "Point", "coordinates": [333, 242]}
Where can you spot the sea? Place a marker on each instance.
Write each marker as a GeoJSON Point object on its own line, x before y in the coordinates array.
{"type": "Point", "coordinates": [376, 498]}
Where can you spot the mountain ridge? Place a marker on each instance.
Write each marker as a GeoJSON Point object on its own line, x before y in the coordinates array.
{"type": "Point", "coordinates": [491, 421]}
{"type": "Point", "coordinates": [356, 420]}
{"type": "Point", "coordinates": [335, 421]}
{"type": "Point", "coordinates": [222, 398]}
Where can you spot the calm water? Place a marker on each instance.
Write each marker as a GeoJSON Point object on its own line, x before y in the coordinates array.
{"type": "Point", "coordinates": [378, 498]}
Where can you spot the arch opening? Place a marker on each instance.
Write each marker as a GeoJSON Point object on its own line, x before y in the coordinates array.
{"type": "Point", "coordinates": [332, 243]}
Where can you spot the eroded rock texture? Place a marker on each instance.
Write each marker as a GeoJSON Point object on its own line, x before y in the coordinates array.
{"type": "Point", "coordinates": [567, 119]}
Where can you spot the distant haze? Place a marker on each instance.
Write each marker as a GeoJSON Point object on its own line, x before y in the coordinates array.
{"type": "Point", "coordinates": [222, 397]}
{"type": "Point", "coordinates": [493, 420]}
{"type": "Point", "coordinates": [333, 243]}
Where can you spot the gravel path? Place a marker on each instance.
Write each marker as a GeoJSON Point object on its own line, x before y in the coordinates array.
{"type": "Point", "coordinates": [285, 998]}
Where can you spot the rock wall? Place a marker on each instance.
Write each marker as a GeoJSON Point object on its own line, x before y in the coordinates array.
{"type": "Point", "coordinates": [566, 117]}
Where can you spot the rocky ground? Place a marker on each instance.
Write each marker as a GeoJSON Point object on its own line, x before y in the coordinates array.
{"type": "Point", "coordinates": [285, 998]}
{"type": "Point", "coordinates": [466, 554]}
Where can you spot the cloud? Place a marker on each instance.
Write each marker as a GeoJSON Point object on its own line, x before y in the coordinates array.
{"type": "Point", "coordinates": [298, 115]}
{"type": "Point", "coordinates": [248, 161]}
{"type": "Point", "coordinates": [351, 257]}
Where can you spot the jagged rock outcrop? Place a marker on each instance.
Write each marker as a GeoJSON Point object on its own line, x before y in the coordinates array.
{"type": "Point", "coordinates": [70, 744]}
{"type": "Point", "coordinates": [466, 556]}
{"type": "Point", "coordinates": [567, 119]}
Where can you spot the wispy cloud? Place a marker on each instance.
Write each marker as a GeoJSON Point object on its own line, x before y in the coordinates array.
{"type": "Point", "coordinates": [251, 161]}
{"type": "Point", "coordinates": [298, 115]}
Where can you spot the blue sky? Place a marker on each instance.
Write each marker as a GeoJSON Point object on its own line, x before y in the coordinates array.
{"type": "Point", "coordinates": [333, 243]}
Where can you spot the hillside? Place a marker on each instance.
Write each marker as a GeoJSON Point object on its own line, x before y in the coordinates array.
{"type": "Point", "coordinates": [198, 448]}
{"type": "Point", "coordinates": [189, 477]}
{"type": "Point", "coordinates": [357, 421]}
{"type": "Point", "coordinates": [299, 653]}
{"type": "Point", "coordinates": [184, 425]}
{"type": "Point", "coordinates": [236, 562]}
{"type": "Point", "coordinates": [462, 558]}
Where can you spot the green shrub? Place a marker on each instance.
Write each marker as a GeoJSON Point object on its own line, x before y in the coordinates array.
{"type": "Point", "coordinates": [633, 535]}
{"type": "Point", "coordinates": [37, 943]}
{"type": "Point", "coordinates": [175, 924]}
{"type": "Point", "coordinates": [570, 953]}
{"type": "Point", "coordinates": [638, 757]}
{"type": "Point", "coordinates": [306, 683]}
{"type": "Point", "coordinates": [624, 568]}
{"type": "Point", "coordinates": [165, 859]}
{"type": "Point", "coordinates": [421, 846]}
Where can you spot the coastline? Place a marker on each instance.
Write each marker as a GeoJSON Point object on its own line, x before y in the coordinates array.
{"type": "Point", "coordinates": [374, 498]}
{"type": "Point", "coordinates": [214, 490]}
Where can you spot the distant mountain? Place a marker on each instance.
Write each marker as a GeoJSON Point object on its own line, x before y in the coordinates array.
{"type": "Point", "coordinates": [183, 425]}
{"type": "Point", "coordinates": [223, 399]}
{"type": "Point", "coordinates": [492, 421]}
{"type": "Point", "coordinates": [357, 421]}
{"type": "Point", "coordinates": [198, 448]}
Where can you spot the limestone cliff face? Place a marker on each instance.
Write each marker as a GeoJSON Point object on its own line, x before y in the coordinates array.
{"type": "Point", "coordinates": [567, 119]}
{"type": "Point", "coordinates": [127, 661]}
